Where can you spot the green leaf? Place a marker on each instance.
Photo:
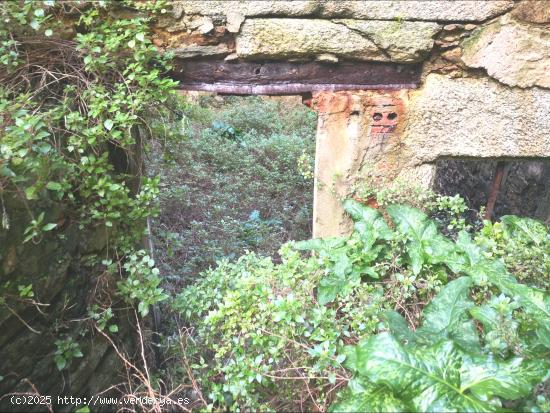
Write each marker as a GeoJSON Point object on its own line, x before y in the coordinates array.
{"type": "Point", "coordinates": [440, 377]}
{"type": "Point", "coordinates": [140, 36]}
{"type": "Point", "coordinates": [369, 223]}
{"type": "Point", "coordinates": [5, 171]}
{"type": "Point", "coordinates": [474, 263]}
{"type": "Point", "coordinates": [331, 285]}
{"type": "Point", "coordinates": [533, 300]}
{"type": "Point", "coordinates": [60, 362]}
{"type": "Point", "coordinates": [425, 244]}
{"type": "Point", "coordinates": [49, 227]}
{"type": "Point", "coordinates": [30, 192]}
{"type": "Point", "coordinates": [429, 379]}
{"type": "Point", "coordinates": [510, 379]}
{"type": "Point", "coordinates": [319, 244]}
{"type": "Point", "coordinates": [543, 333]}
{"type": "Point", "coordinates": [526, 229]}
{"type": "Point", "coordinates": [108, 123]}
{"type": "Point", "coordinates": [398, 327]}
{"type": "Point", "coordinates": [54, 186]}
{"type": "Point", "coordinates": [143, 308]}
{"type": "Point", "coordinates": [367, 399]}
{"type": "Point", "coordinates": [446, 316]}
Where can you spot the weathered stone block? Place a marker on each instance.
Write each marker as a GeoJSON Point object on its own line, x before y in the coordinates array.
{"type": "Point", "coordinates": [292, 38]}
{"type": "Point", "coordinates": [194, 50]}
{"type": "Point", "coordinates": [476, 118]}
{"type": "Point", "coordinates": [533, 11]}
{"type": "Point", "coordinates": [435, 10]}
{"type": "Point", "coordinates": [513, 53]}
{"type": "Point", "coordinates": [402, 42]}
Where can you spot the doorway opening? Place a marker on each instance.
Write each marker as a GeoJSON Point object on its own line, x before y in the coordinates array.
{"type": "Point", "coordinates": [237, 177]}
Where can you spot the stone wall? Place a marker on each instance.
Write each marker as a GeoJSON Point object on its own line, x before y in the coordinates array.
{"type": "Point", "coordinates": [63, 286]}
{"type": "Point", "coordinates": [484, 91]}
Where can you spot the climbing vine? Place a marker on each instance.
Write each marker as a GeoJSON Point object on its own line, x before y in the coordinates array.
{"type": "Point", "coordinates": [79, 82]}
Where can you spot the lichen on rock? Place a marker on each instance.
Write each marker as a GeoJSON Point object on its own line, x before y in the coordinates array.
{"type": "Point", "coordinates": [294, 38]}
{"type": "Point", "coordinates": [402, 42]}
{"type": "Point", "coordinates": [434, 10]}
{"type": "Point", "coordinates": [514, 53]}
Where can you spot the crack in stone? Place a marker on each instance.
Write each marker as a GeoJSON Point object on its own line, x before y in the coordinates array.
{"type": "Point", "coordinates": [384, 52]}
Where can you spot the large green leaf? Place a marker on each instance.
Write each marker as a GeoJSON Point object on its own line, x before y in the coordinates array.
{"type": "Point", "coordinates": [440, 377]}
{"type": "Point", "coordinates": [425, 243]}
{"type": "Point", "coordinates": [510, 379]}
{"type": "Point", "coordinates": [361, 396]}
{"type": "Point", "coordinates": [476, 265]}
{"type": "Point", "coordinates": [534, 300]}
{"type": "Point", "coordinates": [349, 257]}
{"type": "Point", "coordinates": [368, 222]}
{"type": "Point", "coordinates": [447, 317]}
{"type": "Point", "coordinates": [429, 379]}
{"type": "Point", "coordinates": [398, 326]}
{"type": "Point", "coordinates": [526, 229]}
{"type": "Point", "coordinates": [320, 244]}
{"type": "Point", "coordinates": [337, 279]}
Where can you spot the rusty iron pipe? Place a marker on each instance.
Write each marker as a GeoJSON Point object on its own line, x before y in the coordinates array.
{"type": "Point", "coordinates": [495, 189]}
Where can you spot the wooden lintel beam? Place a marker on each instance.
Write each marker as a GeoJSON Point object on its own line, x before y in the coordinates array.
{"type": "Point", "coordinates": [290, 78]}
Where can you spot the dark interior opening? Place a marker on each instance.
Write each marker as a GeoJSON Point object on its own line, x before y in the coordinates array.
{"type": "Point", "coordinates": [524, 190]}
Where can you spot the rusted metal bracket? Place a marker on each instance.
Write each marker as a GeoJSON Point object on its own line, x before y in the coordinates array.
{"type": "Point", "coordinates": [291, 78]}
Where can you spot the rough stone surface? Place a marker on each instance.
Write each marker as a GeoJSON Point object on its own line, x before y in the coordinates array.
{"type": "Point", "coordinates": [63, 284]}
{"type": "Point", "coordinates": [533, 11]}
{"type": "Point", "coordinates": [513, 53]}
{"type": "Point", "coordinates": [476, 118]}
{"type": "Point", "coordinates": [194, 50]}
{"type": "Point", "coordinates": [401, 42]}
{"type": "Point", "coordinates": [292, 38]}
{"type": "Point", "coordinates": [234, 21]}
{"type": "Point", "coordinates": [433, 10]}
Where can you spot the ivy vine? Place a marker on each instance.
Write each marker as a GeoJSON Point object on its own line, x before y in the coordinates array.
{"type": "Point", "coordinates": [79, 82]}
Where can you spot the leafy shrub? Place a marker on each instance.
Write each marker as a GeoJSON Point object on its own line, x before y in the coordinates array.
{"type": "Point", "coordinates": [523, 244]}
{"type": "Point", "coordinates": [390, 312]}
{"type": "Point", "coordinates": [232, 183]}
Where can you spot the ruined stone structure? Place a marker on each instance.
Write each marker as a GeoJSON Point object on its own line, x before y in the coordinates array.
{"type": "Point", "coordinates": [398, 85]}
{"type": "Point", "coordinates": [478, 88]}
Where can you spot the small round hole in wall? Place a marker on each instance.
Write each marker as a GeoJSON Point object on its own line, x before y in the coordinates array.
{"type": "Point", "coordinates": [257, 70]}
{"type": "Point", "coordinates": [392, 116]}
{"type": "Point", "coordinates": [377, 116]}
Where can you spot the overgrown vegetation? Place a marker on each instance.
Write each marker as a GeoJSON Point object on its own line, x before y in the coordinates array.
{"type": "Point", "coordinates": [232, 181]}
{"type": "Point", "coordinates": [77, 84]}
{"type": "Point", "coordinates": [395, 317]}
{"type": "Point", "coordinates": [416, 310]}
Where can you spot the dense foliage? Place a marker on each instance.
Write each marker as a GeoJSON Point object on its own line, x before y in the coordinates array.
{"type": "Point", "coordinates": [411, 312]}
{"type": "Point", "coordinates": [395, 317]}
{"type": "Point", "coordinates": [78, 82]}
{"type": "Point", "coordinates": [232, 181]}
